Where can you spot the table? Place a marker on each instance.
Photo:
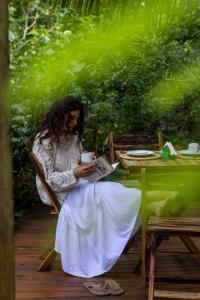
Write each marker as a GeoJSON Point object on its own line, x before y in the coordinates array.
{"type": "Point", "coordinates": [158, 165]}
{"type": "Point", "coordinates": [180, 161]}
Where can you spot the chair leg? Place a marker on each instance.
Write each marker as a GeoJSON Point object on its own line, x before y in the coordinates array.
{"type": "Point", "coordinates": [152, 267]}
{"type": "Point", "coordinates": [47, 261]}
{"type": "Point", "coordinates": [190, 245]}
{"type": "Point", "coordinates": [47, 250]}
{"type": "Point", "coordinates": [159, 240]}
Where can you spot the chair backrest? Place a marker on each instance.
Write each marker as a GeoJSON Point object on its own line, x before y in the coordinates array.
{"type": "Point", "coordinates": [39, 170]}
{"type": "Point", "coordinates": [126, 142]}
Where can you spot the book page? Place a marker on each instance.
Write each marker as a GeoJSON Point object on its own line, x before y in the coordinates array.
{"type": "Point", "coordinates": [102, 169]}
{"type": "Point", "coordinates": [115, 165]}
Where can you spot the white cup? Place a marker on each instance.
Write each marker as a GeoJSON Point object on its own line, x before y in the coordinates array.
{"type": "Point", "coordinates": [87, 157]}
{"type": "Point", "coordinates": [193, 147]}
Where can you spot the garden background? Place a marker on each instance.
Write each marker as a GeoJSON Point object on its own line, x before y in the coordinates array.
{"type": "Point", "coordinates": [135, 65]}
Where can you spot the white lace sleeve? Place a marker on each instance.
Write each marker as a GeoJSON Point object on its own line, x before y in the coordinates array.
{"type": "Point", "coordinates": [58, 181]}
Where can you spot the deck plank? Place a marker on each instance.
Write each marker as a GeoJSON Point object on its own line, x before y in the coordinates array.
{"type": "Point", "coordinates": [35, 231]}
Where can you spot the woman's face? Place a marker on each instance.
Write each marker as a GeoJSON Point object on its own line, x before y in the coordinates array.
{"type": "Point", "coordinates": [71, 120]}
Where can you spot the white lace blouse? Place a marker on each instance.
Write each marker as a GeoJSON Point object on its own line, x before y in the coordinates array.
{"type": "Point", "coordinates": [58, 162]}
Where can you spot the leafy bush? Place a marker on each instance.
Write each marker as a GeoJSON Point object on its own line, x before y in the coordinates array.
{"type": "Point", "coordinates": [116, 93]}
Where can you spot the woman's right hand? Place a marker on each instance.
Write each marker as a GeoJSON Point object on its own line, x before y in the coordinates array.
{"type": "Point", "coordinates": [83, 170]}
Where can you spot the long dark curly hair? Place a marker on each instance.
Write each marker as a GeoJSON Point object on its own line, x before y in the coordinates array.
{"type": "Point", "coordinates": [51, 126]}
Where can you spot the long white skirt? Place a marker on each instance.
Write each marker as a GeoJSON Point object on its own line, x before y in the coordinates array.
{"type": "Point", "coordinates": [95, 222]}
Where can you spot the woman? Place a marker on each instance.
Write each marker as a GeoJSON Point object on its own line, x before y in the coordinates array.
{"type": "Point", "coordinates": [96, 219]}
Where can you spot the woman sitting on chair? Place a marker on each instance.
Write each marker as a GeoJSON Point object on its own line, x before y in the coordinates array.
{"type": "Point", "coordinates": [96, 219]}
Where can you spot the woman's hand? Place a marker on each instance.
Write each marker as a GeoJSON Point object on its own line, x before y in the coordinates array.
{"type": "Point", "coordinates": [84, 170]}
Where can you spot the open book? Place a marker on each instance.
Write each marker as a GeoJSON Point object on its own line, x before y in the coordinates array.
{"type": "Point", "coordinates": [102, 169]}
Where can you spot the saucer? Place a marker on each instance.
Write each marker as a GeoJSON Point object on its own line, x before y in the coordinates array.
{"type": "Point", "coordinates": [189, 152]}
{"type": "Point", "coordinates": [139, 152]}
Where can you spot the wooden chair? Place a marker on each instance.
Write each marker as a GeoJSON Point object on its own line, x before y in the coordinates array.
{"type": "Point", "coordinates": [126, 142]}
{"type": "Point", "coordinates": [186, 181]}
{"type": "Point", "coordinates": [169, 227]}
{"type": "Point", "coordinates": [49, 253]}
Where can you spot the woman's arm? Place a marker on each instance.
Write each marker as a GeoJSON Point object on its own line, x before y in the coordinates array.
{"type": "Point", "coordinates": [58, 181]}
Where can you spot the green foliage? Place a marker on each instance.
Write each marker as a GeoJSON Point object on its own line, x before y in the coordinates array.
{"type": "Point", "coordinates": [24, 178]}
{"type": "Point", "coordinates": [118, 89]}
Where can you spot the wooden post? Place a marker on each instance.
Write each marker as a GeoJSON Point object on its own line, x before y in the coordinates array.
{"type": "Point", "coordinates": [7, 290]}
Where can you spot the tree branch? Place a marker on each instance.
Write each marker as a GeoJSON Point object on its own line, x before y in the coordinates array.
{"type": "Point", "coordinates": [27, 28]}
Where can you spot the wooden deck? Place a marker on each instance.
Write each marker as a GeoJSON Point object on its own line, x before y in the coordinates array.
{"type": "Point", "coordinates": [38, 228]}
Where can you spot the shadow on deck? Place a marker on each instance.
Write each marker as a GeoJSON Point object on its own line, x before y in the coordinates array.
{"type": "Point", "coordinates": [37, 229]}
